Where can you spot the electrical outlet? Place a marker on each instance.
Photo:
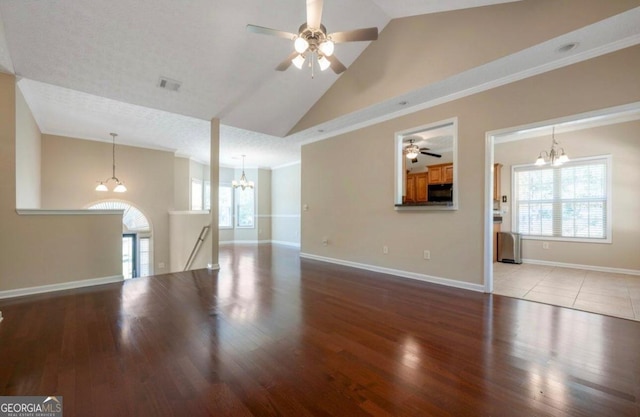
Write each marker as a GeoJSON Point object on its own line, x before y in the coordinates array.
{"type": "Point", "coordinates": [161, 265]}
{"type": "Point", "coordinates": [325, 241]}
{"type": "Point", "coordinates": [385, 250]}
{"type": "Point", "coordinates": [545, 245]}
{"type": "Point", "coordinates": [305, 207]}
{"type": "Point", "coordinates": [426, 254]}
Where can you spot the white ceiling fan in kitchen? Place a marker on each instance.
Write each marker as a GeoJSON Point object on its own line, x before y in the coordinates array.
{"type": "Point", "coordinates": [312, 44]}
{"type": "Point", "coordinates": [412, 150]}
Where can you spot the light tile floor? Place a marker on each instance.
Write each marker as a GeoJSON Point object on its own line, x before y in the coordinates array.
{"type": "Point", "coordinates": [598, 292]}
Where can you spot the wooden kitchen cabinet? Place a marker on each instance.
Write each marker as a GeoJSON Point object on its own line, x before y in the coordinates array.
{"type": "Point", "coordinates": [440, 174]}
{"type": "Point", "coordinates": [421, 187]}
{"type": "Point", "coordinates": [416, 191]}
{"type": "Point", "coordinates": [448, 173]}
{"type": "Point", "coordinates": [410, 191]}
{"type": "Point", "coordinates": [497, 168]}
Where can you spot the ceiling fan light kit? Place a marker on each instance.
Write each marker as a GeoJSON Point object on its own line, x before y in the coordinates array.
{"type": "Point", "coordinates": [313, 41]}
{"type": "Point", "coordinates": [324, 63]}
{"type": "Point", "coordinates": [300, 45]}
{"type": "Point", "coordinates": [298, 61]}
{"type": "Point", "coordinates": [412, 151]}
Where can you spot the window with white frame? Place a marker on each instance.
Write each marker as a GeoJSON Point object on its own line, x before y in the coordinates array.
{"type": "Point", "coordinates": [207, 195]}
{"type": "Point", "coordinates": [569, 202]}
{"type": "Point", "coordinates": [196, 194]}
{"type": "Point", "coordinates": [144, 250]}
{"type": "Point", "coordinates": [225, 207]}
{"type": "Point", "coordinates": [245, 207]}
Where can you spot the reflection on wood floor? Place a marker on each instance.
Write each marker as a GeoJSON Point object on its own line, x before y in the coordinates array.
{"type": "Point", "coordinates": [615, 295]}
{"type": "Point", "coordinates": [271, 334]}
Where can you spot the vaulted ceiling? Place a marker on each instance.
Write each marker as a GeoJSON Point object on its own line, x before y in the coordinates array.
{"type": "Point", "coordinates": [87, 68]}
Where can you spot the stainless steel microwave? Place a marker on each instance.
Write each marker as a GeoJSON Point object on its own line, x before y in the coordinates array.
{"type": "Point", "coordinates": [440, 192]}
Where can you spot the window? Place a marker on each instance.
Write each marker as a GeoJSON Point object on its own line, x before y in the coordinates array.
{"type": "Point", "coordinates": [207, 195]}
{"type": "Point", "coordinates": [225, 207]}
{"type": "Point", "coordinates": [245, 207]}
{"type": "Point", "coordinates": [145, 257]}
{"type": "Point", "coordinates": [569, 202]}
{"type": "Point", "coordinates": [196, 194]}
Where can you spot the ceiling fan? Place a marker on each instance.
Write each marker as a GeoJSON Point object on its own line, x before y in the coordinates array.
{"type": "Point", "coordinates": [313, 43]}
{"type": "Point", "coordinates": [412, 151]}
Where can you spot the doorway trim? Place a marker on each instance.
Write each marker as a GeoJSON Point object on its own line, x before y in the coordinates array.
{"type": "Point", "coordinates": [596, 116]}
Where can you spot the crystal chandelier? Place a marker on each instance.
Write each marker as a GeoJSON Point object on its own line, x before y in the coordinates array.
{"type": "Point", "coordinates": [243, 183]}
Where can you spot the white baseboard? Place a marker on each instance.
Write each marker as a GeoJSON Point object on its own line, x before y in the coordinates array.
{"type": "Point", "coordinates": [242, 242]}
{"type": "Point", "coordinates": [399, 273]}
{"type": "Point", "coordinates": [607, 269]}
{"type": "Point", "coordinates": [285, 243]}
{"type": "Point", "coordinates": [213, 267]}
{"type": "Point", "coordinates": [19, 292]}
{"type": "Point", "coordinates": [258, 242]}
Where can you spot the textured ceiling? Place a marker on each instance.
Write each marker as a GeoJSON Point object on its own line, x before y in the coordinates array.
{"type": "Point", "coordinates": [90, 67]}
{"type": "Point", "coordinates": [404, 8]}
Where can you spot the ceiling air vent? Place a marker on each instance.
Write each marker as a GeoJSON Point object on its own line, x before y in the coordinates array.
{"type": "Point", "coordinates": [168, 84]}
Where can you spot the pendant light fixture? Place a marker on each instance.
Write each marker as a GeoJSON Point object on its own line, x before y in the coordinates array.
{"type": "Point", "coordinates": [555, 156]}
{"type": "Point", "coordinates": [119, 188]}
{"type": "Point", "coordinates": [243, 183]}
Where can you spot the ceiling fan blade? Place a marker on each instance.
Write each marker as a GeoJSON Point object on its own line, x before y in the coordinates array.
{"type": "Point", "coordinates": [357, 35]}
{"type": "Point", "coordinates": [336, 65]}
{"type": "Point", "coordinates": [431, 154]}
{"type": "Point", "coordinates": [287, 62]}
{"type": "Point", "coordinates": [314, 13]}
{"type": "Point", "coordinates": [273, 32]}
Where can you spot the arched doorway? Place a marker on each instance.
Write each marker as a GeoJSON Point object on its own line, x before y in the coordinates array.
{"type": "Point", "coordinates": [137, 254]}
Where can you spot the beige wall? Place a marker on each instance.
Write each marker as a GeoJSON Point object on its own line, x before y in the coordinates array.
{"type": "Point", "coordinates": [622, 142]}
{"type": "Point", "coordinates": [184, 171]}
{"type": "Point", "coordinates": [263, 205]}
{"type": "Point", "coordinates": [181, 184]}
{"type": "Point", "coordinates": [47, 249]}
{"type": "Point", "coordinates": [198, 170]}
{"type": "Point", "coordinates": [285, 205]}
{"type": "Point", "coordinates": [417, 51]}
{"type": "Point", "coordinates": [226, 176]}
{"type": "Point", "coordinates": [72, 167]}
{"type": "Point", "coordinates": [28, 145]}
{"type": "Point", "coordinates": [351, 199]}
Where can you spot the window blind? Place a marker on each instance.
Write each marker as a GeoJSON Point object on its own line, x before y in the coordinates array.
{"type": "Point", "coordinates": [568, 201]}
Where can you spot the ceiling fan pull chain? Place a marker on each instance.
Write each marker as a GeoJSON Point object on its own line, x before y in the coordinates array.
{"type": "Point", "coordinates": [311, 64]}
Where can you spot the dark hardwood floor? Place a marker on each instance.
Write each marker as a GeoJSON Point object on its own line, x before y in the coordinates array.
{"type": "Point", "coordinates": [271, 335]}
